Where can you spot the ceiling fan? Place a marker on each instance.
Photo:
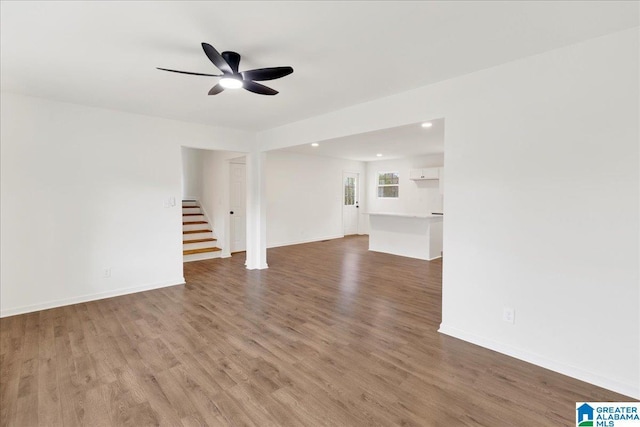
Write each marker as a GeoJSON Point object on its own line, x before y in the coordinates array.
{"type": "Point", "coordinates": [228, 62]}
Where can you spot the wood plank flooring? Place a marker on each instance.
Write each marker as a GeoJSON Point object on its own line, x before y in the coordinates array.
{"type": "Point", "coordinates": [329, 335]}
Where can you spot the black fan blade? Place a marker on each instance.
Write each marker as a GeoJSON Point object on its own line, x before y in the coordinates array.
{"type": "Point", "coordinates": [267, 73]}
{"type": "Point", "coordinates": [216, 58]}
{"type": "Point", "coordinates": [233, 59]}
{"type": "Point", "coordinates": [189, 72]}
{"type": "Point", "coordinates": [258, 88]}
{"type": "Point", "coordinates": [216, 89]}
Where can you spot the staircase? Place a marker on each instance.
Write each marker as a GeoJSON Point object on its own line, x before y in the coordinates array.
{"type": "Point", "coordinates": [198, 242]}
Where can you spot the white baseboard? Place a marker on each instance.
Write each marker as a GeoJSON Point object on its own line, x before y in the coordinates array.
{"type": "Point", "coordinates": [553, 365]}
{"type": "Point", "coordinates": [86, 298]}
{"type": "Point", "coordinates": [299, 242]}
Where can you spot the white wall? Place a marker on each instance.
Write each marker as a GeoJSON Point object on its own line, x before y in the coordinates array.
{"type": "Point", "coordinates": [304, 197]}
{"type": "Point", "coordinates": [83, 189]}
{"type": "Point", "coordinates": [192, 173]}
{"type": "Point", "coordinates": [542, 209]}
{"type": "Point", "coordinates": [415, 197]}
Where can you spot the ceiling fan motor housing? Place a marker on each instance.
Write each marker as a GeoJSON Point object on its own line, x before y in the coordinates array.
{"type": "Point", "coordinates": [233, 59]}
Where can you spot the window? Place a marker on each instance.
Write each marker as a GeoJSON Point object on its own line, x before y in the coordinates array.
{"type": "Point", "coordinates": [388, 184]}
{"type": "Point", "coordinates": [349, 191]}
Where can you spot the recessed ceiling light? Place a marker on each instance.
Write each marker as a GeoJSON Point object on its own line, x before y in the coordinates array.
{"type": "Point", "coordinates": [230, 83]}
{"type": "Point", "coordinates": [378, 155]}
{"type": "Point", "coordinates": [315, 144]}
{"type": "Point", "coordinates": [427, 125]}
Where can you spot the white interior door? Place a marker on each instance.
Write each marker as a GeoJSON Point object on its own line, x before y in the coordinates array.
{"type": "Point", "coordinates": [238, 208]}
{"type": "Point", "coordinates": [350, 205]}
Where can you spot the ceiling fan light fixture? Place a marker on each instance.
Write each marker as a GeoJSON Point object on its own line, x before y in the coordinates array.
{"type": "Point", "coordinates": [231, 78]}
{"type": "Point", "coordinates": [231, 83]}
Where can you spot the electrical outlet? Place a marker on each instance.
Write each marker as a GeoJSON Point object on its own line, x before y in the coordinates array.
{"type": "Point", "coordinates": [509, 315]}
{"type": "Point", "coordinates": [106, 273]}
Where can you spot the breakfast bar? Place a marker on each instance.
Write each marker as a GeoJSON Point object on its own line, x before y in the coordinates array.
{"type": "Point", "coordinates": [414, 236]}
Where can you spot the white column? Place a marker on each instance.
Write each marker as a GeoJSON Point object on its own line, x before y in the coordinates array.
{"type": "Point", "coordinates": [256, 211]}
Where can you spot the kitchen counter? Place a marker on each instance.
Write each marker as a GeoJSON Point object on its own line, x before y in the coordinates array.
{"type": "Point", "coordinates": [405, 215]}
{"type": "Point", "coordinates": [411, 235]}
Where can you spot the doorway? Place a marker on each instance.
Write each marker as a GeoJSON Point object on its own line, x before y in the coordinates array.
{"type": "Point", "coordinates": [350, 202]}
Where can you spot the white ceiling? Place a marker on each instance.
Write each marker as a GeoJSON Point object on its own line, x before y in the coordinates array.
{"type": "Point", "coordinates": [104, 53]}
{"type": "Point", "coordinates": [392, 143]}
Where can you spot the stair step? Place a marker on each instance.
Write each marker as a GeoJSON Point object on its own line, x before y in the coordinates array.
{"type": "Point", "coordinates": [196, 231]}
{"type": "Point", "coordinates": [194, 222]}
{"type": "Point", "coordinates": [191, 210]}
{"type": "Point", "coordinates": [201, 257]}
{"type": "Point", "coordinates": [191, 214]}
{"type": "Point", "coordinates": [184, 242]}
{"type": "Point", "coordinates": [200, 251]}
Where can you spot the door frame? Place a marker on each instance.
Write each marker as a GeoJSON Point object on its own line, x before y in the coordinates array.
{"type": "Point", "coordinates": [229, 190]}
{"type": "Point", "coordinates": [358, 198]}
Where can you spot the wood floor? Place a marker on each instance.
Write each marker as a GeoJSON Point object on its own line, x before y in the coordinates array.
{"type": "Point", "coordinates": [330, 334]}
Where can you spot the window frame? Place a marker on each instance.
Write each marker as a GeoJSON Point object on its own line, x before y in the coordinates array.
{"type": "Point", "coordinates": [378, 185]}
